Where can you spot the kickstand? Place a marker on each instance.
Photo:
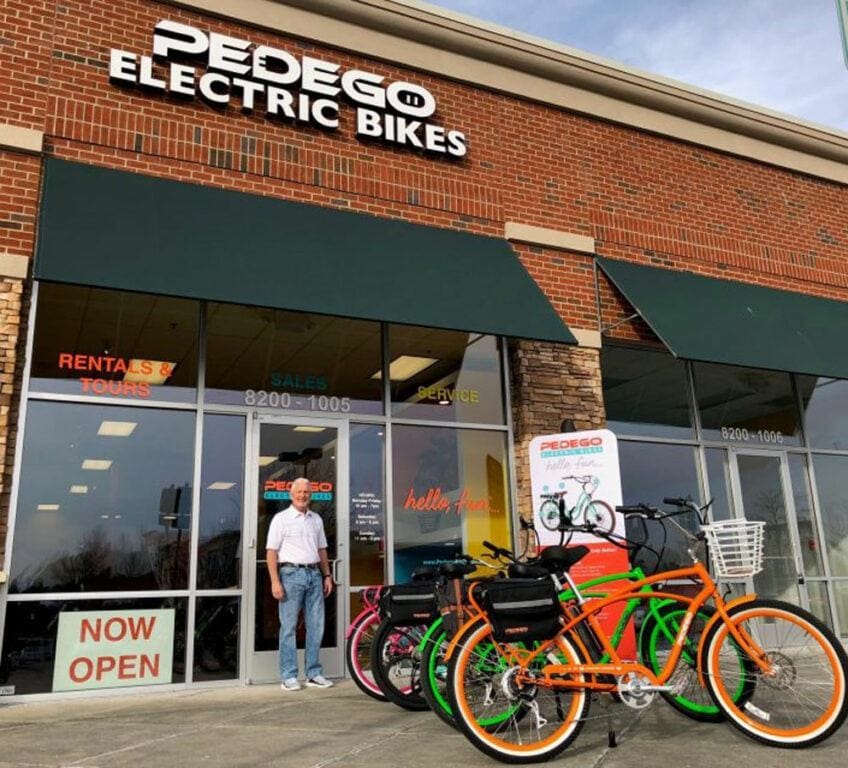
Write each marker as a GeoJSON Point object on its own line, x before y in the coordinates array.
{"type": "Point", "coordinates": [612, 742]}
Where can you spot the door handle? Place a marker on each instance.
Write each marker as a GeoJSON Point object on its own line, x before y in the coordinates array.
{"type": "Point", "coordinates": [334, 571]}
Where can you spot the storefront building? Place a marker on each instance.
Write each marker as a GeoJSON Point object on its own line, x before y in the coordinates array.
{"type": "Point", "coordinates": [384, 247]}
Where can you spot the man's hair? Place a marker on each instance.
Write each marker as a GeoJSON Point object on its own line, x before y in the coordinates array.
{"type": "Point", "coordinates": [301, 480]}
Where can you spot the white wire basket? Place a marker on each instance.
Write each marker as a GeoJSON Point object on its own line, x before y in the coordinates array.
{"type": "Point", "coordinates": [736, 548]}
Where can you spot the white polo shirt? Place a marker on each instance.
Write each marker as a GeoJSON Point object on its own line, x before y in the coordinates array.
{"type": "Point", "coordinates": [297, 536]}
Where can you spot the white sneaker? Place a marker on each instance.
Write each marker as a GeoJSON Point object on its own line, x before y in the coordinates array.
{"type": "Point", "coordinates": [319, 681]}
{"type": "Point", "coordinates": [290, 684]}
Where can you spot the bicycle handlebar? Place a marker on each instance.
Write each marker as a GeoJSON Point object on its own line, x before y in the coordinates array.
{"type": "Point", "coordinates": [498, 551]}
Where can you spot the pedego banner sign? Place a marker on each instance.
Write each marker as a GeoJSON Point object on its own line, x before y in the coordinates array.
{"type": "Point", "coordinates": [576, 476]}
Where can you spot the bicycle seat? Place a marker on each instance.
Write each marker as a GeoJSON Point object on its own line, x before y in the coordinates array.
{"type": "Point", "coordinates": [562, 558]}
{"type": "Point", "coordinates": [456, 569]}
{"type": "Point", "coordinates": [526, 571]}
{"type": "Point", "coordinates": [424, 573]}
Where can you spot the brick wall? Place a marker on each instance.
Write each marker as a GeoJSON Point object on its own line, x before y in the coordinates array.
{"type": "Point", "coordinates": [642, 197]}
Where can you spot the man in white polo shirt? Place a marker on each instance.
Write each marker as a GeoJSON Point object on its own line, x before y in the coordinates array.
{"type": "Point", "coordinates": [300, 578]}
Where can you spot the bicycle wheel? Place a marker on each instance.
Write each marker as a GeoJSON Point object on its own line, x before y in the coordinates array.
{"type": "Point", "coordinates": [510, 721]}
{"type": "Point", "coordinates": [395, 663]}
{"type": "Point", "coordinates": [434, 672]}
{"type": "Point", "coordinates": [601, 515]}
{"type": "Point", "coordinates": [549, 514]}
{"type": "Point", "coordinates": [656, 642]}
{"type": "Point", "coordinates": [801, 700]}
{"type": "Point", "coordinates": [358, 654]}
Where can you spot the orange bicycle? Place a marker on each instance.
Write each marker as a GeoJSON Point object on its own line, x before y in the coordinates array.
{"type": "Point", "coordinates": [775, 670]}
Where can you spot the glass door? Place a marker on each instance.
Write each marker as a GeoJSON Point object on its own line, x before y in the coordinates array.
{"type": "Point", "coordinates": [762, 490]}
{"type": "Point", "coordinates": [282, 450]}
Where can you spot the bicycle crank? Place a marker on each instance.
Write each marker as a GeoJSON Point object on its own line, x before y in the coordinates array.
{"type": "Point", "coordinates": [637, 691]}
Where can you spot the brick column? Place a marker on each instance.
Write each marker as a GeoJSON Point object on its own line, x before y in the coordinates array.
{"type": "Point", "coordinates": [549, 383]}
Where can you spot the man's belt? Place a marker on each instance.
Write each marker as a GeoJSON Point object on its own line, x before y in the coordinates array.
{"type": "Point", "coordinates": [311, 566]}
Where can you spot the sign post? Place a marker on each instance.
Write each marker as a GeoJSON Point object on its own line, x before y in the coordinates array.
{"type": "Point", "coordinates": [842, 12]}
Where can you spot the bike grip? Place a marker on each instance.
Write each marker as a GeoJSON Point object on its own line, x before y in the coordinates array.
{"type": "Point", "coordinates": [489, 545]}
{"type": "Point", "coordinates": [675, 501]}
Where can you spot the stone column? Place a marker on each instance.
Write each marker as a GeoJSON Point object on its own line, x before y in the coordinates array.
{"type": "Point", "coordinates": [550, 383]}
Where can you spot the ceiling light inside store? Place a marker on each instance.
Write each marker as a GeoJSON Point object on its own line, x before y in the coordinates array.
{"type": "Point", "coordinates": [264, 461]}
{"type": "Point", "coordinates": [99, 464]}
{"type": "Point", "coordinates": [48, 507]}
{"type": "Point", "coordinates": [117, 428]}
{"type": "Point", "coordinates": [149, 371]}
{"type": "Point", "coordinates": [79, 489]}
{"type": "Point", "coordinates": [405, 367]}
{"type": "Point", "coordinates": [309, 429]}
{"type": "Point", "coordinates": [220, 486]}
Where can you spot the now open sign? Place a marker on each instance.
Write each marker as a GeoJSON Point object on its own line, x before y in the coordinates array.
{"type": "Point", "coordinates": [112, 649]}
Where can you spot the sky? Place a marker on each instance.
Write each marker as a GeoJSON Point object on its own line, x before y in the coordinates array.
{"type": "Point", "coordinates": [785, 55]}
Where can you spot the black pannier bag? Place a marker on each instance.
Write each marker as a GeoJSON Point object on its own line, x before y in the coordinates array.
{"type": "Point", "coordinates": [522, 609]}
{"type": "Point", "coordinates": [409, 603]}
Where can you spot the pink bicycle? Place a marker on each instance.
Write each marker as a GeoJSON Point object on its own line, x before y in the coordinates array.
{"type": "Point", "coordinates": [359, 639]}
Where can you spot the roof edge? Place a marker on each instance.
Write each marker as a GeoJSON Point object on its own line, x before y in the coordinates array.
{"type": "Point", "coordinates": [546, 72]}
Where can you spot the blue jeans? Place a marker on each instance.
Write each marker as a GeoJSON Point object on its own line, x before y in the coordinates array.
{"type": "Point", "coordinates": [303, 589]}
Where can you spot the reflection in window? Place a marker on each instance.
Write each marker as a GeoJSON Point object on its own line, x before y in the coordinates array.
{"type": "Point", "coordinates": [445, 375]}
{"type": "Point", "coordinates": [221, 493]}
{"type": "Point", "coordinates": [825, 403]}
{"type": "Point", "coordinates": [28, 654]}
{"type": "Point", "coordinates": [645, 393]}
{"type": "Point", "coordinates": [104, 500]}
{"type": "Point", "coordinates": [831, 473]}
{"type": "Point", "coordinates": [807, 529]}
{"type": "Point", "coordinates": [840, 594]}
{"type": "Point", "coordinates": [90, 341]}
{"type": "Point", "coordinates": [746, 405]}
{"type": "Point", "coordinates": [649, 472]}
{"type": "Point", "coordinates": [367, 505]}
{"type": "Point", "coordinates": [819, 603]}
{"type": "Point", "coordinates": [216, 638]}
{"type": "Point", "coordinates": [314, 360]}
{"type": "Point", "coordinates": [450, 494]}
{"type": "Point", "coordinates": [760, 482]}
{"type": "Point", "coordinates": [718, 475]}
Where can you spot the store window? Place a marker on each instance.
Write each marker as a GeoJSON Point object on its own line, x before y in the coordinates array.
{"type": "Point", "coordinates": [104, 500]}
{"type": "Point", "coordinates": [825, 404]}
{"type": "Point", "coordinates": [221, 497]}
{"type": "Point", "coordinates": [718, 476]}
{"type": "Point", "coordinates": [746, 405]}
{"type": "Point", "coordinates": [101, 343]}
{"type": "Point", "coordinates": [650, 472]}
{"type": "Point", "coordinates": [367, 504]}
{"type": "Point", "coordinates": [445, 375]}
{"type": "Point", "coordinates": [807, 530]}
{"type": "Point", "coordinates": [37, 658]}
{"type": "Point", "coordinates": [216, 638]}
{"type": "Point", "coordinates": [284, 360]}
{"type": "Point", "coordinates": [645, 393]}
{"type": "Point", "coordinates": [450, 494]}
{"type": "Point", "coordinates": [831, 473]}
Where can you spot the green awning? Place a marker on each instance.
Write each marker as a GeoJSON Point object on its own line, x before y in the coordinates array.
{"type": "Point", "coordinates": [722, 321]}
{"type": "Point", "coordinates": [114, 229]}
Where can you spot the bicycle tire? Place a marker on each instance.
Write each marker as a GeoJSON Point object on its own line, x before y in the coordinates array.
{"type": "Point", "coordinates": [358, 654]}
{"type": "Point", "coordinates": [803, 700]}
{"type": "Point", "coordinates": [478, 667]}
{"type": "Point", "coordinates": [600, 514]}
{"type": "Point", "coordinates": [395, 662]}
{"type": "Point", "coordinates": [434, 672]}
{"type": "Point", "coordinates": [549, 514]}
{"type": "Point", "coordinates": [656, 641]}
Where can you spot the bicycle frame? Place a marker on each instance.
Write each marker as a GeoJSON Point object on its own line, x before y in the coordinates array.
{"type": "Point", "coordinates": [370, 597]}
{"type": "Point", "coordinates": [554, 674]}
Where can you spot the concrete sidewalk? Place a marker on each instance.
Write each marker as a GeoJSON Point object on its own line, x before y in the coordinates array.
{"type": "Point", "coordinates": [262, 726]}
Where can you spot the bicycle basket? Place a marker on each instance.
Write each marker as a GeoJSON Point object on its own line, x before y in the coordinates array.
{"type": "Point", "coordinates": [522, 609]}
{"type": "Point", "coordinates": [736, 548]}
{"type": "Point", "coordinates": [409, 603]}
